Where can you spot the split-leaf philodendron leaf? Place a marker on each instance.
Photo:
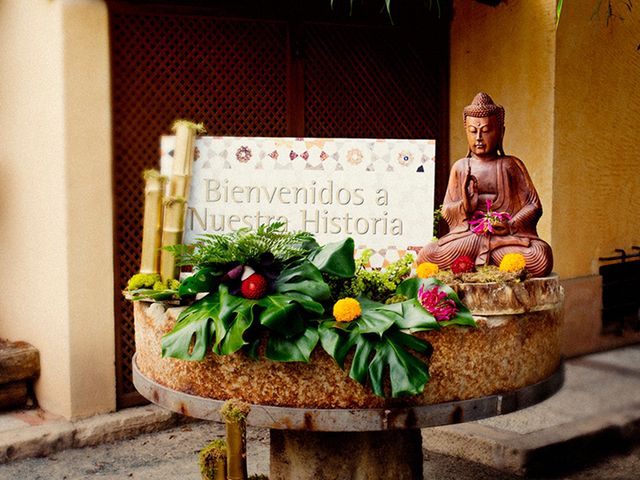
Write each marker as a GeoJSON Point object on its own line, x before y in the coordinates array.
{"type": "Point", "coordinates": [294, 316]}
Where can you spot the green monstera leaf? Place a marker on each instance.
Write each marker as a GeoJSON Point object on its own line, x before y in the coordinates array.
{"type": "Point", "coordinates": [191, 336]}
{"type": "Point", "coordinates": [412, 313]}
{"type": "Point", "coordinates": [204, 280]}
{"type": "Point", "coordinates": [292, 349]}
{"type": "Point", "coordinates": [336, 259]}
{"type": "Point", "coordinates": [337, 338]}
{"type": "Point", "coordinates": [236, 316]}
{"type": "Point", "coordinates": [407, 374]}
{"type": "Point", "coordinates": [282, 315]}
{"type": "Point", "coordinates": [412, 316]}
{"type": "Point", "coordinates": [375, 317]}
{"type": "Point", "coordinates": [303, 277]}
{"type": "Point", "coordinates": [377, 353]}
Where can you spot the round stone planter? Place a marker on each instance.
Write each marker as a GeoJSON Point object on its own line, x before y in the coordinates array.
{"type": "Point", "coordinates": [517, 343]}
{"type": "Point", "coordinates": [323, 425]}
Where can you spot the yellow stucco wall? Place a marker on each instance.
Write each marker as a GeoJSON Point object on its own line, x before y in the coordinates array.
{"type": "Point", "coordinates": [508, 51]}
{"type": "Point", "coordinates": [571, 102]}
{"type": "Point", "coordinates": [56, 207]}
{"type": "Point", "coordinates": [596, 185]}
{"type": "Point", "coordinates": [571, 96]}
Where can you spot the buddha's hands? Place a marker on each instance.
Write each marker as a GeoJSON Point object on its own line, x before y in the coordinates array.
{"type": "Point", "coordinates": [501, 228]}
{"type": "Point", "coordinates": [470, 195]}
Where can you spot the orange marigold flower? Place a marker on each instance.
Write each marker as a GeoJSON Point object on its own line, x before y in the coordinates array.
{"type": "Point", "coordinates": [346, 309]}
{"type": "Point", "coordinates": [512, 262]}
{"type": "Point", "coordinates": [427, 269]}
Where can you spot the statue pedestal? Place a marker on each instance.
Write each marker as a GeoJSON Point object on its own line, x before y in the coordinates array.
{"type": "Point", "coordinates": [305, 455]}
{"type": "Point", "coordinates": [324, 425]}
{"type": "Point", "coordinates": [323, 444]}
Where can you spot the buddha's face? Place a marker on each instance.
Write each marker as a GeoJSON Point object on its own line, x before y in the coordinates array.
{"type": "Point", "coordinates": [483, 135]}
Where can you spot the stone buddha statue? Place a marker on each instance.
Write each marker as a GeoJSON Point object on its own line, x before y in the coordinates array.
{"type": "Point", "coordinates": [489, 184]}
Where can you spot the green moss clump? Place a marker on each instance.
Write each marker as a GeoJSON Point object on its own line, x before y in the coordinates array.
{"type": "Point", "coordinates": [211, 457]}
{"type": "Point", "coordinates": [197, 127]}
{"type": "Point", "coordinates": [484, 274]}
{"type": "Point", "coordinates": [170, 284]}
{"type": "Point", "coordinates": [142, 280]}
{"type": "Point", "coordinates": [235, 410]}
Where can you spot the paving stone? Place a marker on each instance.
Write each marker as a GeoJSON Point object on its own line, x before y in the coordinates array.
{"type": "Point", "coordinates": [122, 424]}
{"type": "Point", "coordinates": [597, 407]}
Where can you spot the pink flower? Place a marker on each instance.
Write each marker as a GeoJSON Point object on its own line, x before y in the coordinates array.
{"type": "Point", "coordinates": [437, 303]}
{"type": "Point", "coordinates": [482, 222]}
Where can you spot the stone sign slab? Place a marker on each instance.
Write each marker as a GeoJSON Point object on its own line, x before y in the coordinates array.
{"type": "Point", "coordinates": [378, 191]}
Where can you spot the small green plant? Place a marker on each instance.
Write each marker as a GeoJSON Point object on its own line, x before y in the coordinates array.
{"type": "Point", "coordinates": [212, 460]}
{"type": "Point", "coordinates": [437, 218]}
{"type": "Point", "coordinates": [377, 284]}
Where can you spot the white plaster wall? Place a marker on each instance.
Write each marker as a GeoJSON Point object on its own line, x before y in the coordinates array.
{"type": "Point", "coordinates": [55, 204]}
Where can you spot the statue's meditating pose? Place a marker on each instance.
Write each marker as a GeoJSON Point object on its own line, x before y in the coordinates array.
{"type": "Point", "coordinates": [491, 205]}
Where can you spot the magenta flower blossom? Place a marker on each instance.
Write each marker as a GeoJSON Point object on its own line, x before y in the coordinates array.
{"type": "Point", "coordinates": [437, 303]}
{"type": "Point", "coordinates": [482, 222]}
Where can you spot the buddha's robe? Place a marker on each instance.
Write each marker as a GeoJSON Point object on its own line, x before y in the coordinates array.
{"type": "Point", "coordinates": [516, 195]}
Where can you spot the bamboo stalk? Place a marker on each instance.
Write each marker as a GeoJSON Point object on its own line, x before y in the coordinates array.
{"type": "Point", "coordinates": [152, 223]}
{"type": "Point", "coordinates": [175, 206]}
{"type": "Point", "coordinates": [183, 154]}
{"type": "Point", "coordinates": [235, 414]}
{"type": "Point", "coordinates": [213, 461]}
{"type": "Point", "coordinates": [172, 229]}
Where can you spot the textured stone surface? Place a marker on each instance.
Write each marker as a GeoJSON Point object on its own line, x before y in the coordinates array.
{"type": "Point", "coordinates": [510, 349]}
{"type": "Point", "coordinates": [18, 361]}
{"type": "Point", "coordinates": [597, 408]}
{"type": "Point", "coordinates": [13, 395]}
{"type": "Point", "coordinates": [54, 435]}
{"type": "Point", "coordinates": [535, 294]}
{"type": "Point", "coordinates": [354, 455]}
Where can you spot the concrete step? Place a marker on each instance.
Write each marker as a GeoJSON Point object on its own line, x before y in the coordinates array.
{"type": "Point", "coordinates": [596, 411]}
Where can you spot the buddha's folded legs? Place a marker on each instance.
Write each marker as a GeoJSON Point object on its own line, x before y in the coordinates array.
{"type": "Point", "coordinates": [443, 254]}
{"type": "Point", "coordinates": [536, 252]}
{"type": "Point", "coordinates": [538, 256]}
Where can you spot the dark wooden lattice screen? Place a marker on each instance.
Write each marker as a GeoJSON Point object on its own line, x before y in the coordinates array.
{"type": "Point", "coordinates": [378, 87]}
{"type": "Point", "coordinates": [251, 77]}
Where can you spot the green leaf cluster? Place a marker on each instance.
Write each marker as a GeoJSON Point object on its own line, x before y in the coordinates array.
{"type": "Point", "coordinates": [382, 343]}
{"type": "Point", "coordinates": [245, 246]}
{"type": "Point", "coordinates": [294, 318]}
{"type": "Point", "coordinates": [225, 323]}
{"type": "Point", "coordinates": [376, 284]}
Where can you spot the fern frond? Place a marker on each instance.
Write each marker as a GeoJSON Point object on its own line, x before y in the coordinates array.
{"type": "Point", "coordinates": [245, 246]}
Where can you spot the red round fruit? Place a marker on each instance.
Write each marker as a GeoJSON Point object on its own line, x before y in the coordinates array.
{"type": "Point", "coordinates": [254, 286]}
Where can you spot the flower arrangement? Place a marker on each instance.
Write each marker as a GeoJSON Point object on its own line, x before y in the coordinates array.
{"type": "Point", "coordinates": [282, 295]}
{"type": "Point", "coordinates": [463, 269]}
{"type": "Point", "coordinates": [483, 223]}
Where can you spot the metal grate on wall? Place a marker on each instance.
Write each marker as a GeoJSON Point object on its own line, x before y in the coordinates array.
{"type": "Point", "coordinates": [621, 292]}
{"type": "Point", "coordinates": [253, 77]}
